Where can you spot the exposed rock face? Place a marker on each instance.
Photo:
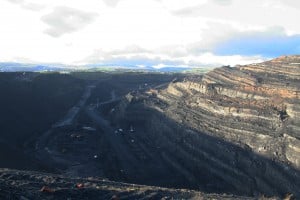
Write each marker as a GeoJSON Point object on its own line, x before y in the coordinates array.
{"type": "Point", "coordinates": [235, 130]}
{"type": "Point", "coordinates": [257, 105]}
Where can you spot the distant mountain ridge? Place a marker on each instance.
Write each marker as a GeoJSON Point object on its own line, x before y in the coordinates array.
{"type": "Point", "coordinates": [29, 67]}
{"type": "Point", "coordinates": [17, 67]}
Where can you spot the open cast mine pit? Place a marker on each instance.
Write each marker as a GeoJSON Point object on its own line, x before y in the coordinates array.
{"type": "Point", "coordinates": [231, 133]}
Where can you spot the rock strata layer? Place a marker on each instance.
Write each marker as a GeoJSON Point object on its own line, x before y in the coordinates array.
{"type": "Point", "coordinates": [256, 105]}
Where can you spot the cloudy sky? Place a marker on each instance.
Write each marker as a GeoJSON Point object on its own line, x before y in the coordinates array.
{"type": "Point", "coordinates": [148, 32]}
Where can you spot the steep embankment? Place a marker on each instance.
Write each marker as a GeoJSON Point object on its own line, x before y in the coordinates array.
{"type": "Point", "coordinates": [235, 130]}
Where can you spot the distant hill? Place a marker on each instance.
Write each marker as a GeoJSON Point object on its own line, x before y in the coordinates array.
{"type": "Point", "coordinates": [28, 67]}
{"type": "Point", "coordinates": [21, 67]}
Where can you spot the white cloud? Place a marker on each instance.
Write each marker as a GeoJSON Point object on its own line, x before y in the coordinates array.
{"type": "Point", "coordinates": [283, 4]}
{"type": "Point", "coordinates": [16, 1]}
{"type": "Point", "coordinates": [64, 20]}
{"type": "Point", "coordinates": [255, 13]}
{"type": "Point", "coordinates": [180, 56]}
{"type": "Point", "coordinates": [218, 33]}
{"type": "Point", "coordinates": [27, 5]}
{"type": "Point", "coordinates": [158, 31]}
{"type": "Point", "coordinates": [223, 2]}
{"type": "Point", "coordinates": [111, 3]}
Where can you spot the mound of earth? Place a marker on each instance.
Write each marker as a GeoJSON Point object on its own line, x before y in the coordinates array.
{"type": "Point", "coordinates": [26, 185]}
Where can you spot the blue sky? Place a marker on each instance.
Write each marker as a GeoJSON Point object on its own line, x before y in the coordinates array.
{"type": "Point", "coordinates": [270, 47]}
{"type": "Point", "coordinates": [189, 33]}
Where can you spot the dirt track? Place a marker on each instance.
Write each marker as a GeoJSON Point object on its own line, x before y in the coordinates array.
{"type": "Point", "coordinates": [43, 152]}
